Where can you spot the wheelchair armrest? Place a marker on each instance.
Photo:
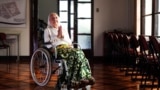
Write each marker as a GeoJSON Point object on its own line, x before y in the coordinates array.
{"type": "Point", "coordinates": [43, 44]}
{"type": "Point", "coordinates": [47, 43]}
{"type": "Point", "coordinates": [77, 45]}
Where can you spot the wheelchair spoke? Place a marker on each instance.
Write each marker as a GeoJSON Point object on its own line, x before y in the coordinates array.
{"type": "Point", "coordinates": [41, 67]}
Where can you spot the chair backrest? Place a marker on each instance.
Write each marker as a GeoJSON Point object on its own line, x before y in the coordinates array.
{"type": "Point", "coordinates": [134, 42]}
{"type": "Point", "coordinates": [115, 38]}
{"type": "Point", "coordinates": [143, 43]}
{"type": "Point", "coordinates": [120, 39]}
{"type": "Point", "coordinates": [2, 38]}
{"type": "Point", "coordinates": [110, 37]}
{"type": "Point", "coordinates": [155, 44]}
{"type": "Point", "coordinates": [126, 41]}
{"type": "Point", "coordinates": [146, 49]}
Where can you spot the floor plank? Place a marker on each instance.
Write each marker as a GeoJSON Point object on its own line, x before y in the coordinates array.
{"type": "Point", "coordinates": [108, 77]}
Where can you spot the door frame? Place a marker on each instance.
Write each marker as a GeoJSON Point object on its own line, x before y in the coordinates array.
{"type": "Point", "coordinates": [34, 27]}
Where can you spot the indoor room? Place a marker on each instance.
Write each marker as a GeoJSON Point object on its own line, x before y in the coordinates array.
{"type": "Point", "coordinates": [79, 45]}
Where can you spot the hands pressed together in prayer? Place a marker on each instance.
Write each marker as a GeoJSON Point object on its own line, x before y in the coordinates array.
{"type": "Point", "coordinates": [60, 34]}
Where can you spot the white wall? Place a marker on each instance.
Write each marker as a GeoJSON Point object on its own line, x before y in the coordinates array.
{"type": "Point", "coordinates": [24, 35]}
{"type": "Point", "coordinates": [45, 7]}
{"type": "Point", "coordinates": [113, 14]}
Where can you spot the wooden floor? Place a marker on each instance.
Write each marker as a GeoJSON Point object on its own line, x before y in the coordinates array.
{"type": "Point", "coordinates": [108, 77]}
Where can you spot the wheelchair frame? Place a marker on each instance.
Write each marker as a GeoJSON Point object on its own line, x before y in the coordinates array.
{"type": "Point", "coordinates": [41, 67]}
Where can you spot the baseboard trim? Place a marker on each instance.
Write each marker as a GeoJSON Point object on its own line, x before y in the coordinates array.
{"type": "Point", "coordinates": [101, 59]}
{"type": "Point", "coordinates": [26, 59]}
{"type": "Point", "coordinates": [15, 58]}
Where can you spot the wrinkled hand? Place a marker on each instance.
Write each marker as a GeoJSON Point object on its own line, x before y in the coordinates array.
{"type": "Point", "coordinates": [60, 35]}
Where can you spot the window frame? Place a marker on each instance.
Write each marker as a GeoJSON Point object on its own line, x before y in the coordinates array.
{"type": "Point", "coordinates": [154, 24]}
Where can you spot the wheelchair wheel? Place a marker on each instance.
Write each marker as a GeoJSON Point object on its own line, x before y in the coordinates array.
{"type": "Point", "coordinates": [40, 66]}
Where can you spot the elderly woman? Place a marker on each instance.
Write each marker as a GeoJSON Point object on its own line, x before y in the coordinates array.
{"type": "Point", "coordinates": [78, 66]}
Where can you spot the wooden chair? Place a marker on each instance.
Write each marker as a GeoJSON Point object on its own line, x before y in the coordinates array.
{"type": "Point", "coordinates": [3, 43]}
{"type": "Point", "coordinates": [115, 48]}
{"type": "Point", "coordinates": [108, 47]}
{"type": "Point", "coordinates": [156, 48]}
{"type": "Point", "coordinates": [125, 52]}
{"type": "Point", "coordinates": [133, 55]}
{"type": "Point", "coordinates": [147, 60]}
{"type": "Point", "coordinates": [121, 51]}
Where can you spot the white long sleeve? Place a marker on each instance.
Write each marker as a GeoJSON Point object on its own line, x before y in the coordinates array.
{"type": "Point", "coordinates": [50, 35]}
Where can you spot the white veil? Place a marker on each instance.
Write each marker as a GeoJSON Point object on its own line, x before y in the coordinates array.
{"type": "Point", "coordinates": [48, 23]}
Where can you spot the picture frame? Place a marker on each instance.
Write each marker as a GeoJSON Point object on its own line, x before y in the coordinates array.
{"type": "Point", "coordinates": [12, 13]}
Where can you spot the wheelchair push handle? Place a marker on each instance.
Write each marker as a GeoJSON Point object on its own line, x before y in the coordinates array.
{"type": "Point", "coordinates": [78, 46]}
{"type": "Point", "coordinates": [47, 43]}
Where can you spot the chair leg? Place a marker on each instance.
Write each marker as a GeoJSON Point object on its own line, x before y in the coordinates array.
{"type": "Point", "coordinates": [8, 59]}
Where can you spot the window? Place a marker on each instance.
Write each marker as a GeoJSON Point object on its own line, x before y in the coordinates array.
{"type": "Point", "coordinates": [150, 17]}
{"type": "Point", "coordinates": [76, 15]}
{"type": "Point", "coordinates": [157, 18]}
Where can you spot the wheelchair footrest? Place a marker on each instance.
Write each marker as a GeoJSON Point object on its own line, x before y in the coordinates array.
{"type": "Point", "coordinates": [88, 87]}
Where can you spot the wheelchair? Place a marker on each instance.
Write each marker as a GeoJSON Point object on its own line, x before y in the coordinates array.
{"type": "Point", "coordinates": [41, 68]}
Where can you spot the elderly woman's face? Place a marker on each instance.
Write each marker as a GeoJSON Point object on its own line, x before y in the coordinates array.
{"type": "Point", "coordinates": [54, 19]}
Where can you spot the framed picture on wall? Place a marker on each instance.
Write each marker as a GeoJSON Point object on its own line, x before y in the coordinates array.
{"type": "Point", "coordinates": [12, 13]}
